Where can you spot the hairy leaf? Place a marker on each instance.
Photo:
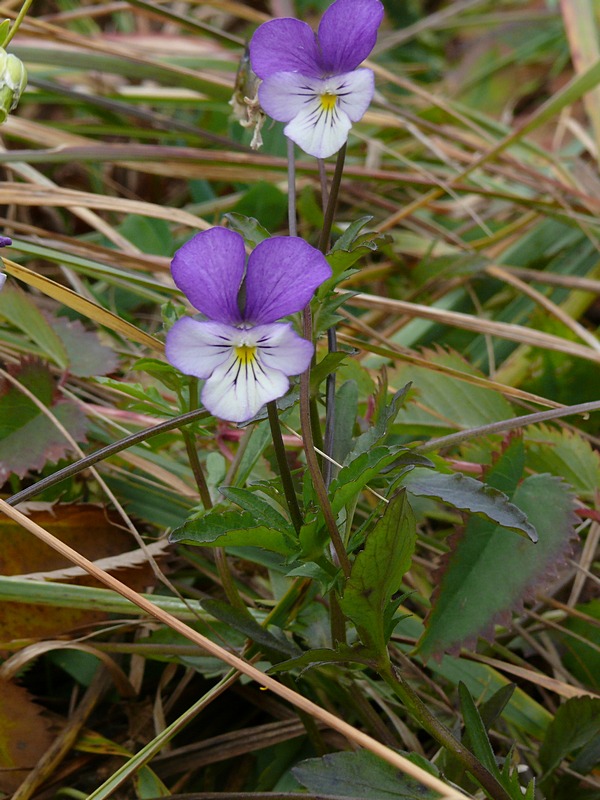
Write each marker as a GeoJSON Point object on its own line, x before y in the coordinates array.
{"type": "Point", "coordinates": [471, 495]}
{"type": "Point", "coordinates": [86, 355]}
{"type": "Point", "coordinates": [489, 573]}
{"type": "Point", "coordinates": [360, 774]}
{"type": "Point", "coordinates": [28, 437]}
{"type": "Point", "coordinates": [377, 573]}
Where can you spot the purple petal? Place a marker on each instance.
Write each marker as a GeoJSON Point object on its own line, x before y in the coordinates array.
{"type": "Point", "coordinates": [198, 348]}
{"type": "Point", "coordinates": [285, 45]}
{"type": "Point", "coordinates": [209, 269]}
{"type": "Point", "coordinates": [347, 33]}
{"type": "Point", "coordinates": [283, 273]}
{"type": "Point", "coordinates": [286, 94]}
{"type": "Point", "coordinates": [5, 241]}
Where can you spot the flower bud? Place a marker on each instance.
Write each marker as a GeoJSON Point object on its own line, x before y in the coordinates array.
{"type": "Point", "coordinates": [13, 79]}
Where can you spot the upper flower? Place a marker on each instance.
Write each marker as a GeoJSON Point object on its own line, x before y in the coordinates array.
{"type": "Point", "coordinates": [311, 81]}
{"type": "Point", "coordinates": [245, 355]}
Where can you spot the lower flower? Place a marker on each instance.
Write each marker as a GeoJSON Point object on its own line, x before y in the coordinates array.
{"type": "Point", "coordinates": [244, 367]}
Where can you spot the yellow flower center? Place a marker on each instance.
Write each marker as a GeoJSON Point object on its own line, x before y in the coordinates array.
{"type": "Point", "coordinates": [328, 101]}
{"type": "Point", "coordinates": [246, 353]}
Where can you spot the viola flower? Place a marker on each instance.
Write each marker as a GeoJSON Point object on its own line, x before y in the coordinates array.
{"type": "Point", "coordinates": [311, 81]}
{"type": "Point", "coordinates": [241, 350]}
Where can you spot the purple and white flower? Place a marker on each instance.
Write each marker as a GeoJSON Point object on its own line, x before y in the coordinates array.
{"type": "Point", "coordinates": [5, 241]}
{"type": "Point", "coordinates": [311, 81]}
{"type": "Point", "coordinates": [244, 354]}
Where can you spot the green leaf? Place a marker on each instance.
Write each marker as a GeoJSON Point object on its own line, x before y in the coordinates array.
{"type": "Point", "coordinates": [322, 655]}
{"type": "Point", "coordinates": [360, 774]}
{"type": "Point", "coordinates": [348, 237]}
{"type": "Point", "coordinates": [325, 367]}
{"type": "Point", "coordinates": [233, 529]}
{"type": "Point", "coordinates": [567, 454]}
{"type": "Point", "coordinates": [488, 573]}
{"type": "Point", "coordinates": [379, 431]}
{"type": "Point", "coordinates": [86, 355]}
{"type": "Point", "coordinates": [20, 310]}
{"type": "Point", "coordinates": [377, 573]}
{"type": "Point", "coordinates": [261, 510]}
{"type": "Point", "coordinates": [479, 743]}
{"type": "Point", "coordinates": [576, 723]}
{"type": "Point", "coordinates": [244, 623]}
{"type": "Point", "coordinates": [470, 495]}
{"type": "Point", "coordinates": [250, 228]}
{"type": "Point", "coordinates": [29, 438]}
{"type": "Point", "coordinates": [346, 410]}
{"type": "Point", "coordinates": [446, 404]}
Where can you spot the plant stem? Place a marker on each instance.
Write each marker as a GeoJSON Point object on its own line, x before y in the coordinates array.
{"type": "Point", "coordinates": [291, 160]}
{"type": "Point", "coordinates": [284, 467]}
{"type": "Point", "coordinates": [331, 204]}
{"type": "Point", "coordinates": [311, 458]}
{"type": "Point", "coordinates": [15, 26]}
{"type": "Point", "coordinates": [419, 711]}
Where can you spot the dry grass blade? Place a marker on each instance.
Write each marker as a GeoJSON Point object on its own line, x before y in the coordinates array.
{"type": "Point", "coordinates": [515, 333]}
{"type": "Point", "coordinates": [85, 307]}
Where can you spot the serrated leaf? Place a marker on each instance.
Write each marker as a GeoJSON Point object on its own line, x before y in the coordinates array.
{"type": "Point", "coordinates": [489, 573]}
{"type": "Point", "coordinates": [567, 454]}
{"type": "Point", "coordinates": [86, 355]}
{"type": "Point", "coordinates": [28, 438]}
{"type": "Point", "coordinates": [470, 495]}
{"type": "Point", "coordinates": [250, 228]}
{"type": "Point", "coordinates": [575, 723]}
{"type": "Point", "coordinates": [445, 403]}
{"type": "Point", "coordinates": [377, 573]}
{"type": "Point", "coordinates": [233, 529]}
{"type": "Point", "coordinates": [360, 774]}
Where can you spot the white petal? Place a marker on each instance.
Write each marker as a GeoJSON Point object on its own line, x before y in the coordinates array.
{"type": "Point", "coordinates": [279, 348]}
{"type": "Point", "coordinates": [2, 279]}
{"type": "Point", "coordinates": [285, 94]}
{"type": "Point", "coordinates": [318, 131]}
{"type": "Point", "coordinates": [238, 389]}
{"type": "Point", "coordinates": [354, 91]}
{"type": "Point", "coordinates": [198, 348]}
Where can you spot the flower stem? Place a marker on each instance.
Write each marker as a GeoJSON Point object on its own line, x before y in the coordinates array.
{"type": "Point", "coordinates": [284, 467]}
{"type": "Point", "coordinates": [419, 711]}
{"type": "Point", "coordinates": [331, 203]}
{"type": "Point", "coordinates": [292, 223]}
{"type": "Point", "coordinates": [15, 26]}
{"type": "Point", "coordinates": [311, 458]}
